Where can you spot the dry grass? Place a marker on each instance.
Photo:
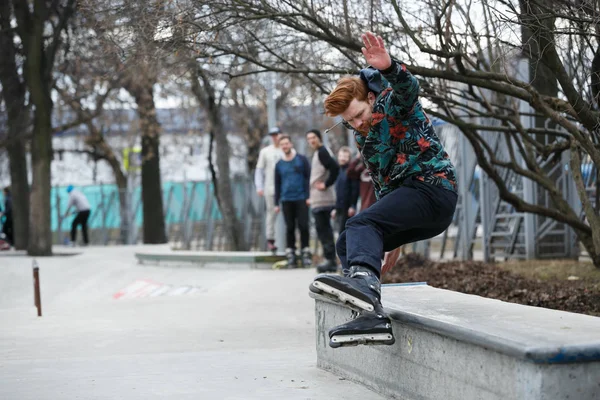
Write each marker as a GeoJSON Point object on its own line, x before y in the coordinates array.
{"type": "Point", "coordinates": [555, 270]}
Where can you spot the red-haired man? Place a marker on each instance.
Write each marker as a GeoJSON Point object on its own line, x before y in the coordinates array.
{"type": "Point", "coordinates": [414, 182]}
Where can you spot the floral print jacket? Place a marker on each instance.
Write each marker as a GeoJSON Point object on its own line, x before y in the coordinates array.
{"type": "Point", "coordinates": [402, 142]}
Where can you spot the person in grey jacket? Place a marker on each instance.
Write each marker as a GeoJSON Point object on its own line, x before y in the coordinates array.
{"type": "Point", "coordinates": [323, 174]}
{"type": "Point", "coordinates": [264, 180]}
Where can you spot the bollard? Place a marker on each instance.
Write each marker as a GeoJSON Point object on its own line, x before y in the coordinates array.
{"type": "Point", "coordinates": [36, 288]}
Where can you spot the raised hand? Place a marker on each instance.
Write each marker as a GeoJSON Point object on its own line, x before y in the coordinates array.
{"type": "Point", "coordinates": [375, 52]}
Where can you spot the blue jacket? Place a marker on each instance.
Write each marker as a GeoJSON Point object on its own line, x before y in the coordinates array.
{"type": "Point", "coordinates": [292, 179]}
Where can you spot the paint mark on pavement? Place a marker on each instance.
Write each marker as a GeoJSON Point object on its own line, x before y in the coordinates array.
{"type": "Point", "coordinates": [149, 288]}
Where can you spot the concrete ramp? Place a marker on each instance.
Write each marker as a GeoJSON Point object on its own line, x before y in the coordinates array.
{"type": "Point", "coordinates": [209, 259]}
{"type": "Point", "coordinates": [455, 346]}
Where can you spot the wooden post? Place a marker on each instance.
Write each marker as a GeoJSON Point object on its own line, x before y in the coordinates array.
{"type": "Point", "coordinates": [36, 288]}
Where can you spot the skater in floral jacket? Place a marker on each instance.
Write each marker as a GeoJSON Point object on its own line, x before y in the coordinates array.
{"type": "Point", "coordinates": [414, 181]}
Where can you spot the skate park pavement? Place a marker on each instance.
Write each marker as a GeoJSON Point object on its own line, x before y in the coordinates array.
{"type": "Point", "coordinates": [112, 329]}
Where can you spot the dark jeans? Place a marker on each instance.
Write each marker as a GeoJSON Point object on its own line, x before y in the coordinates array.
{"type": "Point", "coordinates": [325, 232]}
{"type": "Point", "coordinates": [295, 213]}
{"type": "Point", "coordinates": [7, 229]}
{"type": "Point", "coordinates": [80, 219]}
{"type": "Point", "coordinates": [413, 212]}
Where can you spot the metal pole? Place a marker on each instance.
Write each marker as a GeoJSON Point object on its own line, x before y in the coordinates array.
{"type": "Point", "coordinates": [59, 218]}
{"type": "Point", "coordinates": [271, 107]}
{"type": "Point", "coordinates": [272, 120]}
{"type": "Point", "coordinates": [129, 208]}
{"type": "Point", "coordinates": [465, 200]}
{"type": "Point", "coordinates": [484, 200]}
{"type": "Point", "coordinates": [529, 190]}
{"type": "Point", "coordinates": [36, 288]}
{"type": "Point", "coordinates": [573, 199]}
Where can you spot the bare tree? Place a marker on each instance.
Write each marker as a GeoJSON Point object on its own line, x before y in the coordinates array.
{"type": "Point", "coordinates": [97, 146]}
{"type": "Point", "coordinates": [203, 89]}
{"type": "Point", "coordinates": [223, 86]}
{"type": "Point", "coordinates": [467, 57]}
{"type": "Point", "coordinates": [248, 97]}
{"type": "Point", "coordinates": [250, 115]}
{"type": "Point", "coordinates": [39, 30]}
{"type": "Point", "coordinates": [17, 110]}
{"type": "Point", "coordinates": [127, 32]}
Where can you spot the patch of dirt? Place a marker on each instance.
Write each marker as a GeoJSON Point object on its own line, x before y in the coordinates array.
{"type": "Point", "coordinates": [489, 280]}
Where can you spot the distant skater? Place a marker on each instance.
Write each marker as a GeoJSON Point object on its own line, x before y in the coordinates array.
{"type": "Point", "coordinates": [78, 200]}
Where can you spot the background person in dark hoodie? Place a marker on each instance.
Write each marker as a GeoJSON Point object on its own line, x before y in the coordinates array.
{"type": "Point", "coordinates": [324, 171]}
{"type": "Point", "coordinates": [366, 191]}
{"type": "Point", "coordinates": [292, 174]}
{"type": "Point", "coordinates": [346, 191]}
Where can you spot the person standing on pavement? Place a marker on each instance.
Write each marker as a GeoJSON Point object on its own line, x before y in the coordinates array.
{"type": "Point", "coordinates": [264, 180]}
{"type": "Point", "coordinates": [292, 174]}
{"type": "Point", "coordinates": [7, 216]}
{"type": "Point", "coordinates": [346, 191]}
{"type": "Point", "coordinates": [82, 208]}
{"type": "Point", "coordinates": [357, 172]}
{"type": "Point", "coordinates": [323, 174]}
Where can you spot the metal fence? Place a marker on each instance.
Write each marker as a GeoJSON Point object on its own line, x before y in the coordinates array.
{"type": "Point", "coordinates": [192, 216]}
{"type": "Point", "coordinates": [505, 233]}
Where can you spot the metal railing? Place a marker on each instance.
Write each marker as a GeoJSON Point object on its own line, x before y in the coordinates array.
{"type": "Point", "coordinates": [192, 218]}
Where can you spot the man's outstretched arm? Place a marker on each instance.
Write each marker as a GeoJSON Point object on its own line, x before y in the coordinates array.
{"type": "Point", "coordinates": [404, 84]}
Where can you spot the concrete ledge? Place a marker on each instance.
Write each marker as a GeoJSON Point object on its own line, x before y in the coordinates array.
{"type": "Point", "coordinates": [455, 346]}
{"type": "Point", "coordinates": [209, 259]}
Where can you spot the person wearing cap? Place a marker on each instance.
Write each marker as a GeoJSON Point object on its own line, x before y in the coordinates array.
{"type": "Point", "coordinates": [264, 180]}
{"type": "Point", "coordinates": [324, 171]}
{"type": "Point", "coordinates": [414, 181]}
{"type": "Point", "coordinates": [82, 209]}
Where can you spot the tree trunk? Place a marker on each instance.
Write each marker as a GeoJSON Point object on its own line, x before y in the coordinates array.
{"type": "Point", "coordinates": [121, 181]}
{"type": "Point", "coordinates": [19, 187]}
{"type": "Point", "coordinates": [154, 220]}
{"type": "Point", "coordinates": [152, 199]}
{"type": "Point", "coordinates": [96, 140]}
{"type": "Point", "coordinates": [13, 92]}
{"type": "Point", "coordinates": [544, 81]}
{"type": "Point", "coordinates": [224, 192]}
{"type": "Point", "coordinates": [40, 234]}
{"type": "Point", "coordinates": [222, 184]}
{"type": "Point", "coordinates": [18, 123]}
{"type": "Point", "coordinates": [39, 25]}
{"type": "Point", "coordinates": [38, 78]}
{"type": "Point", "coordinates": [253, 138]}
{"type": "Point", "coordinates": [587, 241]}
